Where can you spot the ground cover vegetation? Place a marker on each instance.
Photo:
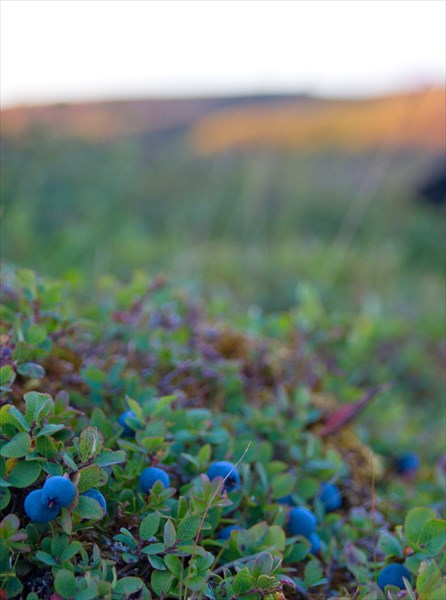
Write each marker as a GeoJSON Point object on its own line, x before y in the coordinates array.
{"type": "Point", "coordinates": [156, 446]}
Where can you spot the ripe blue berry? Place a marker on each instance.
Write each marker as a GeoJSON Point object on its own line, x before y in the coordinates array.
{"type": "Point", "coordinates": [96, 495]}
{"type": "Point", "coordinates": [225, 533]}
{"type": "Point", "coordinates": [58, 490]}
{"type": "Point", "coordinates": [393, 575]}
{"type": "Point", "coordinates": [315, 541]}
{"type": "Point", "coordinates": [302, 522]}
{"type": "Point", "coordinates": [39, 511]}
{"type": "Point", "coordinates": [222, 469]}
{"type": "Point", "coordinates": [127, 430]}
{"type": "Point", "coordinates": [408, 463]}
{"type": "Point", "coordinates": [330, 496]}
{"type": "Point", "coordinates": [288, 500]}
{"type": "Point", "coordinates": [150, 475]}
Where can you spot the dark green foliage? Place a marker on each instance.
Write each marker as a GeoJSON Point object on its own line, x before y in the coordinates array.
{"type": "Point", "coordinates": [252, 395]}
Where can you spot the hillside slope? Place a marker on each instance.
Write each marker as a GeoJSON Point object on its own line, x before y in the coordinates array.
{"type": "Point", "coordinates": [410, 120]}
{"type": "Point", "coordinates": [414, 120]}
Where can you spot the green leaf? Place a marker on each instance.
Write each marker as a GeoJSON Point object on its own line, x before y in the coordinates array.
{"type": "Point", "coordinates": [414, 523]}
{"type": "Point", "coordinates": [35, 334]}
{"type": "Point", "coordinates": [135, 408]}
{"type": "Point", "coordinates": [10, 525]}
{"type": "Point", "coordinates": [149, 526]}
{"type": "Point", "coordinates": [174, 565]}
{"type": "Point", "coordinates": [161, 582]}
{"type": "Point", "coordinates": [27, 279]}
{"type": "Point", "coordinates": [243, 581]}
{"type": "Point", "coordinates": [89, 477]}
{"type": "Point", "coordinates": [154, 548]}
{"type": "Point", "coordinates": [299, 551]}
{"type": "Point", "coordinates": [188, 528]}
{"type": "Point", "coordinates": [13, 587]}
{"type": "Point", "coordinates": [111, 457]}
{"type": "Point", "coordinates": [266, 581]}
{"type": "Point", "coordinates": [46, 558]}
{"type": "Point", "coordinates": [50, 467]}
{"type": "Point", "coordinates": [58, 544]}
{"type": "Point", "coordinates": [428, 578]}
{"type": "Point", "coordinates": [30, 369]}
{"type": "Point", "coordinates": [38, 406]}
{"type": "Point", "coordinates": [49, 430]}
{"type": "Point", "coordinates": [163, 403]}
{"type": "Point", "coordinates": [204, 454]}
{"type": "Point", "coordinates": [65, 584]}
{"type": "Point", "coordinates": [24, 474]}
{"type": "Point", "coordinates": [169, 536]}
{"type": "Point", "coordinates": [390, 545]}
{"type": "Point", "coordinates": [90, 443]}
{"type": "Point", "coordinates": [128, 585]}
{"type": "Point", "coordinates": [89, 508]}
{"type": "Point", "coordinates": [10, 415]}
{"type": "Point", "coordinates": [157, 562]}
{"type": "Point", "coordinates": [433, 536]}
{"type": "Point", "coordinates": [21, 352]}
{"type": "Point", "coordinates": [48, 449]}
{"type": "Point", "coordinates": [282, 485]}
{"type": "Point", "coordinates": [262, 564]}
{"type": "Point", "coordinates": [6, 374]}
{"type": "Point", "coordinates": [66, 521]}
{"type": "Point", "coordinates": [313, 573]}
{"type": "Point", "coordinates": [18, 446]}
{"type": "Point", "coordinates": [67, 459]}
{"type": "Point", "coordinates": [5, 497]}
{"type": "Point", "coordinates": [276, 537]}
{"type": "Point", "coordinates": [70, 551]}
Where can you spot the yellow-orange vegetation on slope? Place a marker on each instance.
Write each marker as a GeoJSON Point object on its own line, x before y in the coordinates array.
{"type": "Point", "coordinates": [402, 121]}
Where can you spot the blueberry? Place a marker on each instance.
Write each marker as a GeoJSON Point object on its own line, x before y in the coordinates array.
{"type": "Point", "coordinates": [39, 511]}
{"type": "Point", "coordinates": [58, 490]}
{"type": "Point", "coordinates": [225, 533]}
{"type": "Point", "coordinates": [286, 500]}
{"type": "Point", "coordinates": [393, 575]}
{"type": "Point", "coordinates": [302, 522]}
{"type": "Point", "coordinates": [222, 469]}
{"type": "Point", "coordinates": [330, 496]}
{"type": "Point", "coordinates": [150, 475]}
{"type": "Point", "coordinates": [127, 430]}
{"type": "Point", "coordinates": [408, 463]}
{"type": "Point", "coordinates": [315, 541]}
{"type": "Point", "coordinates": [96, 495]}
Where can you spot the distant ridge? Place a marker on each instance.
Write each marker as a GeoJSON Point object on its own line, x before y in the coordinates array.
{"type": "Point", "coordinates": [107, 120]}
{"type": "Point", "coordinates": [222, 124]}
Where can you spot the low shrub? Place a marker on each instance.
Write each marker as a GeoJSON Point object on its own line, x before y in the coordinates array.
{"type": "Point", "coordinates": [197, 394]}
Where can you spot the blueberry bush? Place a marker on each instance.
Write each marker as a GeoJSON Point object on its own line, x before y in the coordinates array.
{"type": "Point", "coordinates": [152, 448]}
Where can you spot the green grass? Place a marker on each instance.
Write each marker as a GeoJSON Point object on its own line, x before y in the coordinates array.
{"type": "Point", "coordinates": [249, 226]}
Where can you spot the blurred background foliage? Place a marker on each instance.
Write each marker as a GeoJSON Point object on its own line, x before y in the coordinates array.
{"type": "Point", "coordinates": [226, 200]}
{"type": "Point", "coordinates": [112, 187]}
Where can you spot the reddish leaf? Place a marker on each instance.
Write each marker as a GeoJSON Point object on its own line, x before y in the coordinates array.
{"type": "Point", "coordinates": [343, 415]}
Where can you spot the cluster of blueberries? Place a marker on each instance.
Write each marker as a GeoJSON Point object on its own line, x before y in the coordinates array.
{"type": "Point", "coordinates": [57, 492]}
{"type": "Point", "coordinates": [44, 505]}
{"type": "Point", "coordinates": [301, 521]}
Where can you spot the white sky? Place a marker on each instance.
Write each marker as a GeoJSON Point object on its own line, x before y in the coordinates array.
{"type": "Point", "coordinates": [69, 50]}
